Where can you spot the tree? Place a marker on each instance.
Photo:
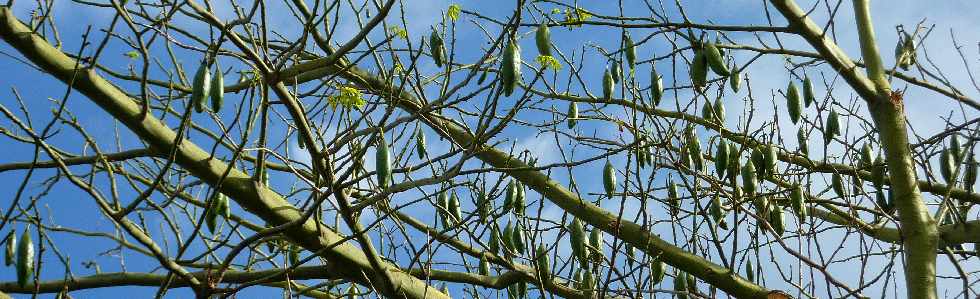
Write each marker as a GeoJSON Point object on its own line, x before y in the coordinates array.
{"type": "Point", "coordinates": [360, 153]}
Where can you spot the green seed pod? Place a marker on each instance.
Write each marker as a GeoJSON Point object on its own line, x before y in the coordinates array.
{"type": "Point", "coordinates": [946, 166]}
{"type": "Point", "coordinates": [699, 70]}
{"type": "Point", "coordinates": [442, 204]}
{"type": "Point", "coordinates": [211, 214]}
{"type": "Point", "coordinates": [708, 113]}
{"type": "Point", "coordinates": [866, 158]}
{"type": "Point", "coordinates": [486, 206]}
{"type": "Point", "coordinates": [759, 162]}
{"type": "Point", "coordinates": [224, 207]}
{"type": "Point", "coordinates": [672, 198]}
{"type": "Point", "coordinates": [749, 180]}
{"type": "Point", "coordinates": [715, 60]}
{"type": "Point", "coordinates": [543, 39]}
{"type": "Point", "coordinates": [420, 145]}
{"type": "Point", "coordinates": [454, 211]}
{"type": "Point", "coordinates": [383, 162]}
{"type": "Point", "coordinates": [656, 85]}
{"type": "Point", "coordinates": [721, 158]}
{"type": "Point", "coordinates": [970, 174]}
{"type": "Point", "coordinates": [656, 271]}
{"type": "Point", "coordinates": [680, 285]}
{"type": "Point", "coordinates": [769, 156]}
{"type": "Point", "coordinates": [734, 165]}
{"type": "Point", "coordinates": [494, 245]}
{"type": "Point", "coordinates": [838, 185]}
{"type": "Point", "coordinates": [519, 198]}
{"type": "Point", "coordinates": [798, 201]}
{"type": "Point", "coordinates": [510, 196]}
{"type": "Point", "coordinates": [201, 87]}
{"type": "Point", "coordinates": [832, 128]}
{"type": "Point", "coordinates": [776, 220]}
{"type": "Point", "coordinates": [25, 259]}
{"type": "Point", "coordinates": [609, 179]}
{"type": "Point", "coordinates": [510, 68]}
{"type": "Point", "coordinates": [801, 140]}
{"type": "Point", "coordinates": [541, 260]}
{"type": "Point", "coordinates": [808, 97]}
{"type": "Point", "coordinates": [617, 72]}
{"type": "Point", "coordinates": [508, 236]}
{"type": "Point", "coordinates": [293, 254]}
{"type": "Point", "coordinates": [716, 212]}
{"type": "Point", "coordinates": [749, 272]}
{"type": "Point", "coordinates": [588, 284]}
{"type": "Point", "coordinates": [630, 50]}
{"type": "Point", "coordinates": [572, 114]}
{"type": "Point", "coordinates": [955, 148]}
{"type": "Point", "coordinates": [484, 266]}
{"type": "Point", "coordinates": [577, 241]}
{"type": "Point", "coordinates": [607, 85]}
{"type": "Point", "coordinates": [719, 111]}
{"type": "Point", "coordinates": [692, 283]}
{"type": "Point", "coordinates": [878, 173]}
{"type": "Point", "coordinates": [694, 148]}
{"type": "Point", "coordinates": [435, 48]}
{"type": "Point", "coordinates": [217, 91]}
{"type": "Point", "coordinates": [735, 80]}
{"type": "Point", "coordinates": [595, 243]}
{"type": "Point", "coordinates": [793, 105]}
{"type": "Point", "coordinates": [518, 239]}
{"type": "Point", "coordinates": [11, 254]}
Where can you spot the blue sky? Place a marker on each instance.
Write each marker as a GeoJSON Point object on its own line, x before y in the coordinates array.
{"type": "Point", "coordinates": [766, 76]}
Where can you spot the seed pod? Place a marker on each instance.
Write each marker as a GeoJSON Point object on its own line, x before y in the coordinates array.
{"type": "Point", "coordinates": [435, 48]}
{"type": "Point", "coordinates": [801, 141]}
{"type": "Point", "coordinates": [970, 174]}
{"type": "Point", "coordinates": [223, 206]}
{"type": "Point", "coordinates": [946, 166]}
{"type": "Point", "coordinates": [699, 70]}
{"type": "Point", "coordinates": [793, 105]}
{"type": "Point", "coordinates": [442, 204]}
{"type": "Point", "coordinates": [878, 173]}
{"type": "Point", "coordinates": [715, 60]}
{"type": "Point", "coordinates": [484, 266]}
{"type": "Point", "coordinates": [293, 254]}
{"type": "Point", "coordinates": [735, 80]}
{"type": "Point", "coordinates": [607, 85]}
{"type": "Point", "coordinates": [454, 211]}
{"type": "Point", "coordinates": [11, 254]}
{"type": "Point", "coordinates": [734, 165]}
{"type": "Point", "coordinates": [518, 235]}
{"type": "Point", "coordinates": [201, 87]}
{"type": "Point", "coordinates": [382, 162]}
{"type": "Point", "coordinates": [955, 148]}
{"type": "Point", "coordinates": [609, 179]}
{"type": "Point", "coordinates": [519, 199]}
{"type": "Point", "coordinates": [542, 261]}
{"type": "Point", "coordinates": [770, 159]}
{"type": "Point", "coordinates": [838, 185]}
{"type": "Point", "coordinates": [832, 128]}
{"type": "Point", "coordinates": [572, 114]}
{"type": "Point", "coordinates": [749, 272]}
{"type": "Point", "coordinates": [486, 206]}
{"type": "Point", "coordinates": [510, 68]}
{"type": "Point", "coordinates": [680, 285]}
{"type": "Point", "coordinates": [25, 259]}
{"type": "Point", "coordinates": [759, 162]}
{"type": "Point", "coordinates": [510, 196]}
{"type": "Point", "coordinates": [543, 39]}
{"type": "Point", "coordinates": [776, 220]}
{"type": "Point", "coordinates": [694, 149]}
{"type": "Point", "coordinates": [656, 85]}
{"type": "Point", "coordinates": [808, 97]}
{"type": "Point", "coordinates": [494, 245]}
{"type": "Point", "coordinates": [588, 284]}
{"type": "Point", "coordinates": [577, 241]}
{"type": "Point", "coordinates": [617, 72]}
{"type": "Point", "coordinates": [721, 158]}
{"type": "Point", "coordinates": [630, 50]}
{"type": "Point", "coordinates": [672, 199]}
{"type": "Point", "coordinates": [217, 91]}
{"type": "Point", "coordinates": [797, 201]}
{"type": "Point", "coordinates": [719, 111]}
{"type": "Point", "coordinates": [211, 214]}
{"type": "Point", "coordinates": [508, 236]}
{"type": "Point", "coordinates": [595, 241]}
{"type": "Point", "coordinates": [420, 142]}
{"type": "Point", "coordinates": [692, 283]}
{"type": "Point", "coordinates": [656, 271]}
{"type": "Point", "coordinates": [716, 212]}
{"type": "Point", "coordinates": [748, 178]}
{"type": "Point", "coordinates": [866, 158]}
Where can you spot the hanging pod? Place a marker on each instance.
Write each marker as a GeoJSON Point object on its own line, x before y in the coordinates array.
{"type": "Point", "coordinates": [716, 212]}
{"type": "Point", "coordinates": [25, 259]}
{"type": "Point", "coordinates": [217, 91]}
{"type": "Point", "coordinates": [595, 241]}
{"type": "Point", "coordinates": [749, 272]}
{"type": "Point", "coordinates": [201, 87]}
{"type": "Point", "coordinates": [770, 159]}
{"type": "Point", "coordinates": [420, 145]}
{"type": "Point", "coordinates": [759, 161]}
{"type": "Point", "coordinates": [508, 236]}
{"type": "Point", "coordinates": [510, 67]}
{"type": "Point", "coordinates": [735, 80]}
{"type": "Point", "coordinates": [494, 245]}
{"type": "Point", "coordinates": [656, 271]}
{"type": "Point", "coordinates": [699, 70]}
{"type": "Point", "coordinates": [970, 174]}
{"type": "Point", "coordinates": [442, 204]}
{"type": "Point", "coordinates": [486, 206]}
{"type": "Point", "coordinates": [542, 261]}
{"type": "Point", "coordinates": [832, 128]}
{"type": "Point", "coordinates": [749, 178]}
{"type": "Point", "coordinates": [656, 85]}
{"type": "Point", "coordinates": [577, 240]}
{"type": "Point", "coordinates": [435, 48]}
{"type": "Point", "coordinates": [11, 254]}
{"type": "Point", "coordinates": [211, 214]}
{"type": "Point", "coordinates": [609, 179]}
{"type": "Point", "coordinates": [955, 147]}
{"type": "Point", "coordinates": [719, 111]}
{"type": "Point", "coordinates": [776, 220]}
{"type": "Point", "coordinates": [510, 196]}
{"type": "Point", "coordinates": [837, 183]}
{"type": "Point", "coordinates": [630, 50]}
{"type": "Point", "coordinates": [542, 38]}
{"type": "Point", "coordinates": [947, 166]}
{"type": "Point", "coordinates": [866, 155]}
{"type": "Point", "coordinates": [484, 266]}
{"type": "Point", "coordinates": [572, 114]}
{"type": "Point", "coordinates": [617, 72]}
{"type": "Point", "coordinates": [715, 59]}
{"type": "Point", "coordinates": [801, 141]}
{"type": "Point", "coordinates": [518, 239]}
{"type": "Point", "coordinates": [798, 201]}
{"type": "Point", "coordinates": [680, 285]}
{"type": "Point", "coordinates": [672, 199]}
{"type": "Point", "coordinates": [607, 85]}
{"type": "Point", "coordinates": [793, 105]}
{"type": "Point", "coordinates": [721, 158]}
{"type": "Point", "coordinates": [808, 97]}
{"type": "Point", "coordinates": [454, 211]}
{"type": "Point", "coordinates": [383, 162]}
